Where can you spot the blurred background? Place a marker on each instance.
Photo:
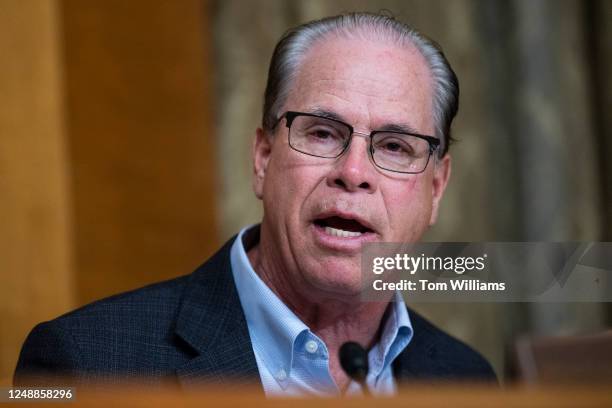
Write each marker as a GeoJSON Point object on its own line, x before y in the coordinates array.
{"type": "Point", "coordinates": [125, 131]}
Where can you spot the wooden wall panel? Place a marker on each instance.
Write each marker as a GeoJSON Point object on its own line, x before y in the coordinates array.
{"type": "Point", "coordinates": [143, 179]}
{"type": "Point", "coordinates": [35, 244]}
{"type": "Point", "coordinates": [107, 173]}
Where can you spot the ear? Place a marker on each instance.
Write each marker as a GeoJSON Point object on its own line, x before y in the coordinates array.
{"type": "Point", "coordinates": [262, 149]}
{"type": "Point", "coordinates": [442, 171]}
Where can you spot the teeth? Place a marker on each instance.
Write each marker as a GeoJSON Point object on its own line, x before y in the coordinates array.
{"type": "Point", "coordinates": [341, 233]}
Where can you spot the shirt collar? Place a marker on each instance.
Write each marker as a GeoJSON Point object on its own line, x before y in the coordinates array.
{"type": "Point", "coordinates": [396, 334]}
{"type": "Point", "coordinates": [273, 327]}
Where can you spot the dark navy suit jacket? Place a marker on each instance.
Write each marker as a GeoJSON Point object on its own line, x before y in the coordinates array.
{"type": "Point", "coordinates": [192, 329]}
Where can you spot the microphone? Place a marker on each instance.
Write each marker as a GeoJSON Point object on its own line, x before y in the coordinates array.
{"type": "Point", "coordinates": [354, 362]}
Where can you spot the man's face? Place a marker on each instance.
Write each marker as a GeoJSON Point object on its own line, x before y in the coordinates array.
{"type": "Point", "coordinates": [371, 86]}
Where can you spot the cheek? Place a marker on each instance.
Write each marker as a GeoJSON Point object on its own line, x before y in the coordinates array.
{"type": "Point", "coordinates": [404, 194]}
{"type": "Point", "coordinates": [290, 183]}
{"type": "Point", "coordinates": [410, 207]}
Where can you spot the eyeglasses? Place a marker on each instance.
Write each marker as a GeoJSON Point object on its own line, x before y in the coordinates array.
{"type": "Point", "coordinates": [323, 137]}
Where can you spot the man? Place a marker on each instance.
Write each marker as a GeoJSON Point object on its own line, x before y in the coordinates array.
{"type": "Point", "coordinates": [353, 149]}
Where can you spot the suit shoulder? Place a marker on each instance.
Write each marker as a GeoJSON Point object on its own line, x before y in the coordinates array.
{"type": "Point", "coordinates": [457, 359]}
{"type": "Point", "coordinates": [118, 334]}
{"type": "Point", "coordinates": [145, 314]}
{"type": "Point", "coordinates": [48, 357]}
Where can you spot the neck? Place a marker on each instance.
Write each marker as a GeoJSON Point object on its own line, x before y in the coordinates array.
{"type": "Point", "coordinates": [335, 320]}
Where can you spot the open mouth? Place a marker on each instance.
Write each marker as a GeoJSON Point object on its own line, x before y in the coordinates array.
{"type": "Point", "coordinates": [342, 227]}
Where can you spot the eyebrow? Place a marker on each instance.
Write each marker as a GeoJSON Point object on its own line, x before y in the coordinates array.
{"type": "Point", "coordinates": [388, 127]}
{"type": "Point", "coordinates": [399, 127]}
{"type": "Point", "coordinates": [327, 114]}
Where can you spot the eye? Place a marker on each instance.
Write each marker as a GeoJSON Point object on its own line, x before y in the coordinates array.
{"type": "Point", "coordinates": [324, 134]}
{"type": "Point", "coordinates": [321, 134]}
{"type": "Point", "coordinates": [395, 146]}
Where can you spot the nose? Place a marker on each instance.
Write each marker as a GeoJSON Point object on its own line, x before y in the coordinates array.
{"type": "Point", "coordinates": [353, 171]}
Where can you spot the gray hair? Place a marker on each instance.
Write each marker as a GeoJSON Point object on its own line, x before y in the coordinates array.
{"type": "Point", "coordinates": [294, 44]}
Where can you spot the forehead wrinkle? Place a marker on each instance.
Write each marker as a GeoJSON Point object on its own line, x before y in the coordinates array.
{"type": "Point", "coordinates": [365, 111]}
{"type": "Point", "coordinates": [401, 96]}
{"type": "Point", "coordinates": [366, 89]}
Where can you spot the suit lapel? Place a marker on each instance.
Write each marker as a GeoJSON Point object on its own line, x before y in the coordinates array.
{"type": "Point", "coordinates": [212, 322]}
{"type": "Point", "coordinates": [416, 363]}
{"type": "Point", "coordinates": [419, 360]}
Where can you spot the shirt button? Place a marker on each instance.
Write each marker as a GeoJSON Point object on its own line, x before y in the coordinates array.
{"type": "Point", "coordinates": [311, 346]}
{"type": "Point", "coordinates": [281, 375]}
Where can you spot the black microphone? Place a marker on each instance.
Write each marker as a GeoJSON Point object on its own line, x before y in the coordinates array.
{"type": "Point", "coordinates": [354, 362]}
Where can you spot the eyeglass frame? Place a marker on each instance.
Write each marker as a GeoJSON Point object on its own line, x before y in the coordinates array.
{"type": "Point", "coordinates": [289, 116]}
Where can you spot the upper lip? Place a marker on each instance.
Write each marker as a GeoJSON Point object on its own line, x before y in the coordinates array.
{"type": "Point", "coordinates": [346, 215]}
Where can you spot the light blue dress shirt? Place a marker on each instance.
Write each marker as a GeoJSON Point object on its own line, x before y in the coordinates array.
{"type": "Point", "coordinates": [291, 359]}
